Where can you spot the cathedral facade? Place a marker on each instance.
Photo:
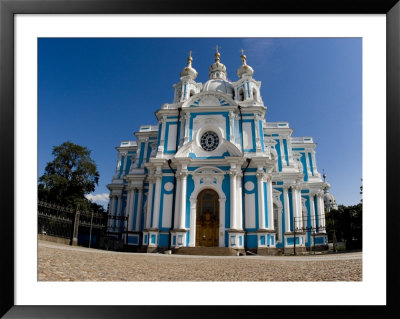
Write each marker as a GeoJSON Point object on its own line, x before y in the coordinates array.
{"type": "Point", "coordinates": [213, 172]}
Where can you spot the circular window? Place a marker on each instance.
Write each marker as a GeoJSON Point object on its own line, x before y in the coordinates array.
{"type": "Point", "coordinates": [209, 141]}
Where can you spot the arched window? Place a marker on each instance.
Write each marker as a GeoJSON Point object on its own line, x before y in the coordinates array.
{"type": "Point", "coordinates": [191, 93]}
{"type": "Point", "coordinates": [241, 95]}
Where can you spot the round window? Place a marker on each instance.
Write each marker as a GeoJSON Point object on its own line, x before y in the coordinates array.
{"type": "Point", "coordinates": [209, 141]}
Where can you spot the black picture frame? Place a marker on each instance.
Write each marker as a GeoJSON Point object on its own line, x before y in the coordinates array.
{"type": "Point", "coordinates": [8, 8]}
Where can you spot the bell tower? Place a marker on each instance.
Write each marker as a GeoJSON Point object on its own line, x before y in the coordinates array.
{"type": "Point", "coordinates": [187, 86]}
{"type": "Point", "coordinates": [247, 89]}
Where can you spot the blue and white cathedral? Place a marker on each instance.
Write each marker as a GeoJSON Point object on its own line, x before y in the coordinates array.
{"type": "Point", "coordinates": [213, 172]}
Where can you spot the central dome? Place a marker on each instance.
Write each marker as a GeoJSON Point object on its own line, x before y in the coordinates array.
{"type": "Point", "coordinates": [219, 85]}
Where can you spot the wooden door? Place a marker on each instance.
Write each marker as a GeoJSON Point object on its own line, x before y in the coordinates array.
{"type": "Point", "coordinates": [207, 219]}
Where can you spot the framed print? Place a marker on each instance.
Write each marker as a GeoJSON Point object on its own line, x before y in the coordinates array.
{"type": "Point", "coordinates": [23, 23]}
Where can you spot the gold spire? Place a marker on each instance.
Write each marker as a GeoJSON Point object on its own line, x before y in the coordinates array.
{"type": "Point", "coordinates": [217, 55]}
{"type": "Point", "coordinates": [190, 59]}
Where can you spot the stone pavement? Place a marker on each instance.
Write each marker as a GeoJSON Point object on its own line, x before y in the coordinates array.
{"type": "Point", "coordinates": [57, 262]}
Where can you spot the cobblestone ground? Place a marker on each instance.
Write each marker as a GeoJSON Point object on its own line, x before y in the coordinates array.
{"type": "Point", "coordinates": [58, 262]}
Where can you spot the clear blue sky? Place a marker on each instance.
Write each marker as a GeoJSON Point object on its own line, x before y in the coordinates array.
{"type": "Point", "coordinates": [97, 92]}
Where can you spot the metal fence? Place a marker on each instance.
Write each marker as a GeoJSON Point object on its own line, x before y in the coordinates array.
{"type": "Point", "coordinates": [309, 225]}
{"type": "Point", "coordinates": [80, 227]}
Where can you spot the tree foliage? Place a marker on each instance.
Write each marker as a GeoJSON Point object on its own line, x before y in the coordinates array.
{"type": "Point", "coordinates": [69, 177]}
{"type": "Point", "coordinates": [346, 222]}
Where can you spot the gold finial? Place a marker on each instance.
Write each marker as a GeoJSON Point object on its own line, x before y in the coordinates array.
{"type": "Point", "coordinates": [217, 54]}
{"type": "Point", "coordinates": [243, 57]}
{"type": "Point", "coordinates": [190, 59]}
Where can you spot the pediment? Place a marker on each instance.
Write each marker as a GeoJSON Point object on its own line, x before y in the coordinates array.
{"type": "Point", "coordinates": [193, 150]}
{"type": "Point", "coordinates": [209, 99]}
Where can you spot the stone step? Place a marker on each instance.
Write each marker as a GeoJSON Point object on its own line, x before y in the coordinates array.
{"type": "Point", "coordinates": [205, 251]}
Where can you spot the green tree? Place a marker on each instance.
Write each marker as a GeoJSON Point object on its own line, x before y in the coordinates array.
{"type": "Point", "coordinates": [69, 177]}
{"type": "Point", "coordinates": [346, 222]}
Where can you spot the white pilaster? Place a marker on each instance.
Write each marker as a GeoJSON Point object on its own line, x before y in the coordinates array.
{"type": "Point", "coordinates": [232, 174]}
{"type": "Point", "coordinates": [231, 125]}
{"type": "Point", "coordinates": [312, 211]}
{"type": "Point", "coordinates": [294, 206]}
{"type": "Point", "coordinates": [129, 206]}
{"type": "Point", "coordinates": [162, 135]}
{"type": "Point", "coordinates": [118, 166]}
{"type": "Point", "coordinates": [287, 207]}
{"type": "Point", "coordinates": [182, 211]}
{"type": "Point", "coordinates": [270, 203]}
{"type": "Point", "coordinates": [125, 163]}
{"type": "Point", "coordinates": [321, 212]}
{"type": "Point", "coordinates": [157, 197]}
{"type": "Point", "coordinates": [149, 203]}
{"type": "Point", "coordinates": [177, 201]}
{"type": "Point", "coordinates": [221, 222]}
{"type": "Point", "coordinates": [192, 238]}
{"type": "Point", "coordinates": [261, 202]}
{"type": "Point", "coordinates": [139, 209]}
{"type": "Point", "coordinates": [187, 121]}
{"type": "Point", "coordinates": [239, 210]}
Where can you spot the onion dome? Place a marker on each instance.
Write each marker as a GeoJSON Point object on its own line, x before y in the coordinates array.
{"type": "Point", "coordinates": [189, 71]}
{"type": "Point", "coordinates": [245, 70]}
{"type": "Point", "coordinates": [217, 69]}
{"type": "Point", "coordinates": [329, 200]}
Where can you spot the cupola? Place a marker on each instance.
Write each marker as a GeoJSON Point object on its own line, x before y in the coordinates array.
{"type": "Point", "coordinates": [244, 70]}
{"type": "Point", "coordinates": [189, 71]}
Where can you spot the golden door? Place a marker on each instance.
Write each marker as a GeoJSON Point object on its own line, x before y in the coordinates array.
{"type": "Point", "coordinates": [207, 219]}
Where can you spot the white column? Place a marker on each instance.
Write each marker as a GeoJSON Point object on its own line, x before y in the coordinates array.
{"type": "Point", "coordinates": [182, 211]}
{"type": "Point", "coordinates": [187, 121]}
{"type": "Point", "coordinates": [118, 166]}
{"type": "Point", "coordinates": [258, 133]}
{"type": "Point", "coordinates": [231, 125]}
{"type": "Point", "coordinates": [270, 203]}
{"type": "Point", "coordinates": [177, 201]}
{"type": "Point", "coordinates": [294, 204]}
{"type": "Point", "coordinates": [282, 152]}
{"type": "Point", "coordinates": [321, 211]}
{"type": "Point", "coordinates": [312, 211]}
{"type": "Point", "coordinates": [232, 174]}
{"type": "Point", "coordinates": [314, 163]}
{"type": "Point", "coordinates": [181, 131]}
{"type": "Point", "coordinates": [287, 207]}
{"type": "Point", "coordinates": [192, 239]}
{"type": "Point", "coordinates": [139, 208]}
{"type": "Point", "coordinates": [125, 163]}
{"type": "Point", "coordinates": [162, 135]}
{"type": "Point", "coordinates": [239, 210]}
{"type": "Point", "coordinates": [261, 203]}
{"type": "Point", "coordinates": [129, 208]}
{"type": "Point", "coordinates": [157, 199]}
{"type": "Point", "coordinates": [221, 222]}
{"type": "Point", "coordinates": [308, 164]}
{"type": "Point", "coordinates": [149, 203]}
{"type": "Point", "coordinates": [298, 206]}
{"type": "Point", "coordinates": [145, 151]}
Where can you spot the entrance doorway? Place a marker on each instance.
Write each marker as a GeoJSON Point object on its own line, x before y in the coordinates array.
{"type": "Point", "coordinates": [207, 219]}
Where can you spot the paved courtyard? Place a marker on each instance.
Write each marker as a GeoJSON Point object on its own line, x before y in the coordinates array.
{"type": "Point", "coordinates": [57, 262]}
